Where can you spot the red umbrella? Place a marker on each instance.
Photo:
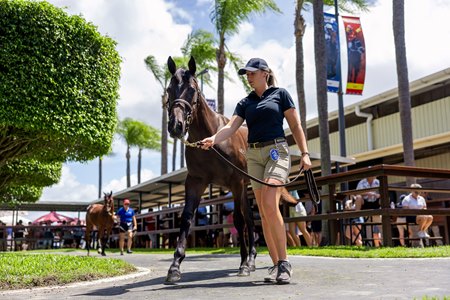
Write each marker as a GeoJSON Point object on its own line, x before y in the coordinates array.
{"type": "Point", "coordinates": [52, 217]}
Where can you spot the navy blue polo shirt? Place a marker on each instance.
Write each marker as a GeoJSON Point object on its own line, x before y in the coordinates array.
{"type": "Point", "coordinates": [264, 115]}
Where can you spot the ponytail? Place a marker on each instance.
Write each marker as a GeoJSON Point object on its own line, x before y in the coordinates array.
{"type": "Point", "coordinates": [271, 80]}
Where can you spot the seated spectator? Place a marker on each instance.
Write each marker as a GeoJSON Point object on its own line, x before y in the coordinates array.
{"type": "Point", "coordinates": [415, 201]}
{"type": "Point", "coordinates": [353, 232]}
{"type": "Point", "coordinates": [316, 225]}
{"type": "Point", "coordinates": [401, 227]}
{"type": "Point", "coordinates": [226, 237]}
{"type": "Point", "coordinates": [370, 200]}
{"type": "Point", "coordinates": [298, 211]}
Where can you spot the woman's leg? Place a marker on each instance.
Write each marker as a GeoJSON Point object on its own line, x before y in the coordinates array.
{"type": "Point", "coordinates": [357, 234]}
{"type": "Point", "coordinates": [266, 228]}
{"type": "Point", "coordinates": [270, 199]}
{"type": "Point", "coordinates": [304, 231]}
{"type": "Point", "coordinates": [401, 234]}
{"type": "Point", "coordinates": [129, 240]}
{"type": "Point", "coordinates": [293, 233]}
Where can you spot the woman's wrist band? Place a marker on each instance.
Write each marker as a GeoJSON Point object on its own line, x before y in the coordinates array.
{"type": "Point", "coordinates": [305, 153]}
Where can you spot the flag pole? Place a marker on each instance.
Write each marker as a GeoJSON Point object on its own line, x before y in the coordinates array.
{"type": "Point", "coordinates": [341, 116]}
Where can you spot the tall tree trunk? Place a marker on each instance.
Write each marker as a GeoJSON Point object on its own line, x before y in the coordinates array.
{"type": "Point", "coordinates": [100, 177]}
{"type": "Point", "coordinates": [221, 62]}
{"type": "Point", "coordinates": [164, 137]}
{"type": "Point", "coordinates": [139, 166]}
{"type": "Point", "coordinates": [322, 105]}
{"type": "Point", "coordinates": [128, 167]}
{"type": "Point", "coordinates": [404, 98]}
{"type": "Point", "coordinates": [299, 31]}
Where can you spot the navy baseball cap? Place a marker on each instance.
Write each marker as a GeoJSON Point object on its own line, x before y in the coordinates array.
{"type": "Point", "coordinates": [254, 64]}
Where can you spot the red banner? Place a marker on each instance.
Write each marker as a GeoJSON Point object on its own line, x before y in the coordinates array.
{"type": "Point", "coordinates": [356, 55]}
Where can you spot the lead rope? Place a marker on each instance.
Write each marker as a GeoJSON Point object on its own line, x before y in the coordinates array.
{"type": "Point", "coordinates": [309, 176]}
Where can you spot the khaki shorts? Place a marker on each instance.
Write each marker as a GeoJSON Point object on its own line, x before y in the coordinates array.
{"type": "Point", "coordinates": [261, 166]}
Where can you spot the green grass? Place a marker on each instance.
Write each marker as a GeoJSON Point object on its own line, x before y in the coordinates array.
{"type": "Point", "coordinates": [49, 267]}
{"type": "Point", "coordinates": [23, 270]}
{"type": "Point", "coordinates": [329, 251]}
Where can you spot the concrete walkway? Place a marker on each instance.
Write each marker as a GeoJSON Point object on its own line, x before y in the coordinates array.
{"type": "Point", "coordinates": [213, 277]}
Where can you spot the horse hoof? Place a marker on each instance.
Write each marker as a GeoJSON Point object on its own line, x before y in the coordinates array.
{"type": "Point", "coordinates": [103, 254]}
{"type": "Point", "coordinates": [252, 268]}
{"type": "Point", "coordinates": [173, 276]}
{"type": "Point", "coordinates": [244, 271]}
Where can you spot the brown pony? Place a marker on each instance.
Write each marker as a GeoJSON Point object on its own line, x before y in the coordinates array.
{"type": "Point", "coordinates": [102, 217]}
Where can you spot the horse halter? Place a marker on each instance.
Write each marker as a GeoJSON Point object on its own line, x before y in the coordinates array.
{"type": "Point", "coordinates": [188, 108]}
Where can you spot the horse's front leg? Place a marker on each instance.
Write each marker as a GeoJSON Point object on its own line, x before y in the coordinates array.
{"type": "Point", "coordinates": [193, 190]}
{"type": "Point", "coordinates": [102, 241]}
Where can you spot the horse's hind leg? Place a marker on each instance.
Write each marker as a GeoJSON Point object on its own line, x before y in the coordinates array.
{"type": "Point", "coordinates": [193, 190]}
{"type": "Point", "coordinates": [243, 220]}
{"type": "Point", "coordinates": [87, 237]}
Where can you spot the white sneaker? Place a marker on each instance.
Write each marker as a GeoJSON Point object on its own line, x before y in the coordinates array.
{"type": "Point", "coordinates": [426, 235]}
{"type": "Point", "coordinates": [272, 276]}
{"type": "Point", "coordinates": [421, 234]}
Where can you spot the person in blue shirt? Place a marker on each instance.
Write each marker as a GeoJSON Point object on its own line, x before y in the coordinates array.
{"type": "Point", "coordinates": [264, 111]}
{"type": "Point", "coordinates": [128, 224]}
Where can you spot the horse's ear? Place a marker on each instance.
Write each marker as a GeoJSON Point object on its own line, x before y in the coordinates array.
{"type": "Point", "coordinates": [192, 66]}
{"type": "Point", "coordinates": [172, 66]}
{"type": "Point", "coordinates": [110, 194]}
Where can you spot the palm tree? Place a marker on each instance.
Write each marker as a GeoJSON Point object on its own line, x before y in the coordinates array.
{"type": "Point", "coordinates": [322, 99]}
{"type": "Point", "coordinates": [129, 130]}
{"type": "Point", "coordinates": [149, 138]}
{"type": "Point", "coordinates": [299, 32]}
{"type": "Point", "coordinates": [226, 16]}
{"type": "Point", "coordinates": [404, 98]}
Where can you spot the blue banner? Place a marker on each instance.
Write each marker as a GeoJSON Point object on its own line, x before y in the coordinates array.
{"type": "Point", "coordinates": [332, 52]}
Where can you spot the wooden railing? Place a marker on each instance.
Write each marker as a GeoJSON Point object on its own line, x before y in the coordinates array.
{"type": "Point", "coordinates": [335, 197]}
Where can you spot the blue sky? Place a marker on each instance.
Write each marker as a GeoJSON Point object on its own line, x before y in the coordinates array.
{"type": "Point", "coordinates": [158, 27]}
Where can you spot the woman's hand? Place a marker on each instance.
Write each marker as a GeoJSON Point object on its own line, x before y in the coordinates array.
{"type": "Point", "coordinates": [207, 143]}
{"type": "Point", "coordinates": [305, 162]}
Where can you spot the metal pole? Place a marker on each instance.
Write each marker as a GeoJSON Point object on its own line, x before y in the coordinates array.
{"type": "Point", "coordinates": [341, 116]}
{"type": "Point", "coordinates": [343, 151]}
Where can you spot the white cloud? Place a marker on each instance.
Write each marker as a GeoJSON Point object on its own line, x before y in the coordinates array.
{"type": "Point", "coordinates": [69, 189]}
{"type": "Point", "coordinates": [121, 184]}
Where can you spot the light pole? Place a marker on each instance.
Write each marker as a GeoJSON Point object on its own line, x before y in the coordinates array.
{"type": "Point", "coordinates": [201, 77]}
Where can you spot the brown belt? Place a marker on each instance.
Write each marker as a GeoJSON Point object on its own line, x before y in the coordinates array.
{"type": "Point", "coordinates": [263, 144]}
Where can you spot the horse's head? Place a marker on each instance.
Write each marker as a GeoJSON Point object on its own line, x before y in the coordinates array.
{"type": "Point", "coordinates": [182, 97]}
{"type": "Point", "coordinates": [109, 203]}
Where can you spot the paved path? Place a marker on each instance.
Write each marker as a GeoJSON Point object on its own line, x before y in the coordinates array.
{"type": "Point", "coordinates": [213, 277]}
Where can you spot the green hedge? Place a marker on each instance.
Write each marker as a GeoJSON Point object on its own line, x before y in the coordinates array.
{"type": "Point", "coordinates": [59, 82]}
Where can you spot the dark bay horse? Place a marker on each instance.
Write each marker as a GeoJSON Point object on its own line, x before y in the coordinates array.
{"type": "Point", "coordinates": [189, 114]}
{"type": "Point", "coordinates": [102, 217]}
